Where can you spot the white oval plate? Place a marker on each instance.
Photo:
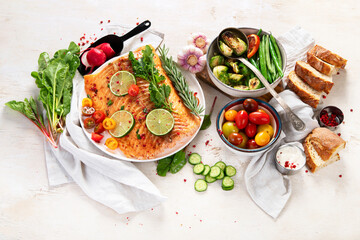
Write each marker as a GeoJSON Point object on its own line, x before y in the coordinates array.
{"type": "Point", "coordinates": [117, 153]}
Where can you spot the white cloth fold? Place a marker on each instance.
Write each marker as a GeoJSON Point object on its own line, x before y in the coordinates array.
{"type": "Point", "coordinates": [114, 183]}
{"type": "Point", "coordinates": [269, 189]}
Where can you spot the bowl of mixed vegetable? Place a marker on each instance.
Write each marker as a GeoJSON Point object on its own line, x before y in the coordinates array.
{"type": "Point", "coordinates": [233, 77]}
{"type": "Point", "coordinates": [248, 126]}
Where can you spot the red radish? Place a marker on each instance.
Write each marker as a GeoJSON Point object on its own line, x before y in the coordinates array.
{"type": "Point", "coordinates": [95, 57]}
{"type": "Point", "coordinates": [106, 48]}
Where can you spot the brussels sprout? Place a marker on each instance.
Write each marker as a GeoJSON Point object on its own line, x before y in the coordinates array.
{"type": "Point", "coordinates": [254, 83]}
{"type": "Point", "coordinates": [244, 70]}
{"type": "Point", "coordinates": [232, 64]}
{"type": "Point", "coordinates": [216, 61]}
{"type": "Point", "coordinates": [235, 43]}
{"type": "Point", "coordinates": [221, 73]}
{"type": "Point", "coordinates": [242, 87]}
{"type": "Point", "coordinates": [235, 79]}
{"type": "Point", "coordinates": [225, 49]}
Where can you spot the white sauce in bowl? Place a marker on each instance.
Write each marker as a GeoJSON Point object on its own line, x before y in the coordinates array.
{"type": "Point", "coordinates": [290, 157]}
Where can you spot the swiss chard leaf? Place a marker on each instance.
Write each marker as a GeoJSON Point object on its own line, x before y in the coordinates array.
{"type": "Point", "coordinates": [178, 162]}
{"type": "Point", "coordinates": [163, 166]}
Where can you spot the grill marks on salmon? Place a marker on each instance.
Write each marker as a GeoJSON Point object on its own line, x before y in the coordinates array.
{"type": "Point", "coordinates": [149, 145]}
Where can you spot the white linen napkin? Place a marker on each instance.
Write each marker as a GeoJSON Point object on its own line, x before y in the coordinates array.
{"type": "Point", "coordinates": [268, 188]}
{"type": "Point", "coordinates": [114, 183]}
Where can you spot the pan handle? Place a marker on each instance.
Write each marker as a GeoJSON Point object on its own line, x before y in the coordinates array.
{"type": "Point", "coordinates": [138, 29]}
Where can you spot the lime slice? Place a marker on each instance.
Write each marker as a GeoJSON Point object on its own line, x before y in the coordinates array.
{"type": "Point", "coordinates": [124, 123]}
{"type": "Point", "coordinates": [159, 122]}
{"type": "Point", "coordinates": [120, 83]}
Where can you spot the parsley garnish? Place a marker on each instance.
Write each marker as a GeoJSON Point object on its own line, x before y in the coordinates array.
{"type": "Point", "coordinates": [137, 134]}
{"type": "Point", "coordinates": [122, 108]}
{"type": "Point", "coordinates": [109, 103]}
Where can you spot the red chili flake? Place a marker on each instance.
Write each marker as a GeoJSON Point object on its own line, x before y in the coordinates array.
{"type": "Point", "coordinates": [137, 23]}
{"type": "Point", "coordinates": [194, 146]}
{"type": "Point", "coordinates": [207, 142]}
{"type": "Point", "coordinates": [185, 180]}
{"type": "Point", "coordinates": [351, 110]}
{"type": "Point", "coordinates": [144, 145]}
{"type": "Point", "coordinates": [101, 22]}
{"type": "Point", "coordinates": [338, 73]}
{"type": "Point", "coordinates": [280, 152]}
{"type": "Point", "coordinates": [95, 38]}
{"type": "Point", "coordinates": [287, 164]}
{"type": "Point", "coordinates": [331, 120]}
{"type": "Point", "coordinates": [83, 44]}
{"type": "Point", "coordinates": [115, 33]}
{"type": "Point", "coordinates": [339, 134]}
{"type": "Point", "coordinates": [102, 29]}
{"type": "Point", "coordinates": [343, 122]}
{"type": "Point", "coordinates": [141, 39]}
{"type": "Point", "coordinates": [176, 212]}
{"type": "Point", "coordinates": [306, 171]}
{"type": "Point", "coordinates": [91, 42]}
{"type": "Point", "coordinates": [87, 41]}
{"type": "Point", "coordinates": [79, 44]}
{"type": "Point", "coordinates": [152, 209]}
{"type": "Point", "coordinates": [195, 93]}
{"type": "Point", "coordinates": [340, 176]}
{"type": "Point", "coordinates": [178, 133]}
{"type": "Point", "coordinates": [108, 21]}
{"type": "Point", "coordinates": [200, 220]}
{"type": "Point", "coordinates": [324, 96]}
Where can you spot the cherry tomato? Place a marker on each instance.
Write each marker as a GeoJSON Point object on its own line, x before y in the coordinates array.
{"type": "Point", "coordinates": [266, 128]}
{"type": "Point", "coordinates": [89, 123]}
{"type": "Point", "coordinates": [109, 123]}
{"type": "Point", "coordinates": [244, 141]}
{"type": "Point", "coordinates": [250, 130]}
{"type": "Point", "coordinates": [259, 118]}
{"type": "Point", "coordinates": [230, 115]}
{"type": "Point", "coordinates": [133, 90]}
{"type": "Point", "coordinates": [254, 43]}
{"type": "Point", "coordinates": [88, 111]}
{"type": "Point", "coordinates": [111, 143]}
{"type": "Point", "coordinates": [250, 105]}
{"type": "Point", "coordinates": [229, 127]}
{"type": "Point", "coordinates": [99, 128]}
{"type": "Point", "coordinates": [96, 137]}
{"type": "Point", "coordinates": [261, 110]}
{"type": "Point", "coordinates": [262, 138]}
{"type": "Point", "coordinates": [86, 102]}
{"type": "Point", "coordinates": [235, 138]}
{"type": "Point", "coordinates": [251, 144]}
{"type": "Point", "coordinates": [98, 116]}
{"type": "Point", "coordinates": [241, 119]}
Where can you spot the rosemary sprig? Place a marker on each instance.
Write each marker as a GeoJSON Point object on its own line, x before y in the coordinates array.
{"type": "Point", "coordinates": [179, 81]}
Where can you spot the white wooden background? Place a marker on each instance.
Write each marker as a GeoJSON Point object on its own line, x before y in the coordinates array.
{"type": "Point", "coordinates": [322, 205]}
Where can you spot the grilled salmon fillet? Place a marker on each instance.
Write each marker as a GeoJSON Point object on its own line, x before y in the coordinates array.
{"type": "Point", "coordinates": [149, 145]}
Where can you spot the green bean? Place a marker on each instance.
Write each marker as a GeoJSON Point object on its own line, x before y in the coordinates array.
{"type": "Point", "coordinates": [263, 68]}
{"type": "Point", "coordinates": [253, 62]}
{"type": "Point", "coordinates": [275, 60]}
{"type": "Point", "coordinates": [276, 47]}
{"type": "Point", "coordinates": [259, 32]}
{"type": "Point", "coordinates": [267, 55]}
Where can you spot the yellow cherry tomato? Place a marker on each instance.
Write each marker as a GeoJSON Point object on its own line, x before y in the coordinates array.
{"type": "Point", "coordinates": [262, 138]}
{"type": "Point", "coordinates": [228, 128]}
{"type": "Point", "coordinates": [111, 143]}
{"type": "Point", "coordinates": [109, 123]}
{"type": "Point", "coordinates": [230, 115]}
{"type": "Point", "coordinates": [260, 110]}
{"type": "Point", "coordinates": [266, 128]}
{"type": "Point", "coordinates": [87, 102]}
{"type": "Point", "coordinates": [244, 141]}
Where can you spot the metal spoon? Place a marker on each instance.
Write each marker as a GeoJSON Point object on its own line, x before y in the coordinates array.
{"type": "Point", "coordinates": [297, 123]}
{"type": "Point", "coordinates": [116, 42]}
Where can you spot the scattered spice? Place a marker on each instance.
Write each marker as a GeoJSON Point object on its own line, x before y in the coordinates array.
{"type": "Point", "coordinates": [185, 180]}
{"type": "Point", "coordinates": [176, 212]}
{"type": "Point", "coordinates": [108, 21]}
{"type": "Point", "coordinates": [340, 176]}
{"type": "Point", "coordinates": [141, 39]}
{"type": "Point", "coordinates": [339, 134]}
{"type": "Point", "coordinates": [324, 96]}
{"type": "Point", "coordinates": [306, 171]}
{"type": "Point", "coordinates": [330, 120]}
{"type": "Point", "coordinates": [207, 142]}
{"type": "Point", "coordinates": [351, 110]}
{"type": "Point", "coordinates": [101, 22]}
{"type": "Point", "coordinates": [194, 146]}
{"type": "Point", "coordinates": [137, 23]}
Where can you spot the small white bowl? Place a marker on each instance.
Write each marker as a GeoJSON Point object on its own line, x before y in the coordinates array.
{"type": "Point", "coordinates": [213, 49]}
{"type": "Point", "coordinates": [237, 105]}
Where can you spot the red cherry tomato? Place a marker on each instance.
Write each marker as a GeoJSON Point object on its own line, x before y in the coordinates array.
{"type": "Point", "coordinates": [254, 43]}
{"type": "Point", "coordinates": [89, 123]}
{"type": "Point", "coordinates": [250, 105]}
{"type": "Point", "coordinates": [99, 128]}
{"type": "Point", "coordinates": [259, 118]}
{"type": "Point", "coordinates": [235, 138]}
{"type": "Point", "coordinates": [251, 144]}
{"type": "Point", "coordinates": [98, 116]}
{"type": "Point", "coordinates": [96, 137]}
{"type": "Point", "coordinates": [250, 130]}
{"type": "Point", "coordinates": [241, 119]}
{"type": "Point", "coordinates": [133, 90]}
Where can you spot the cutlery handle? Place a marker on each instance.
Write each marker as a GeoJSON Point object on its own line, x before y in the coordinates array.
{"type": "Point", "coordinates": [297, 123]}
{"type": "Point", "coordinates": [138, 29]}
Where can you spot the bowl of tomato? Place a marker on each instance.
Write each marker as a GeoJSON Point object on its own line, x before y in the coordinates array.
{"type": "Point", "coordinates": [248, 126]}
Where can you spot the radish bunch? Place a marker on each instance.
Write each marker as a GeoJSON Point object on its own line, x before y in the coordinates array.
{"type": "Point", "coordinates": [95, 57]}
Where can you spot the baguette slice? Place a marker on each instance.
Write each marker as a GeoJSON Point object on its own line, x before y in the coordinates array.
{"type": "Point", "coordinates": [320, 65]}
{"type": "Point", "coordinates": [313, 160]}
{"type": "Point", "coordinates": [326, 143]}
{"type": "Point", "coordinates": [328, 56]}
{"type": "Point", "coordinates": [307, 94]}
{"type": "Point", "coordinates": [311, 76]}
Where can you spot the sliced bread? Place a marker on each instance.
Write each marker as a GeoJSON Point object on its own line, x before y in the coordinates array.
{"type": "Point", "coordinates": [307, 94]}
{"type": "Point", "coordinates": [320, 65]}
{"type": "Point", "coordinates": [313, 160]}
{"type": "Point", "coordinates": [326, 143]}
{"type": "Point", "coordinates": [311, 76]}
{"type": "Point", "coordinates": [328, 56]}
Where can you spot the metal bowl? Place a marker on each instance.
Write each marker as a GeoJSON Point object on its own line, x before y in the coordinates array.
{"type": "Point", "coordinates": [213, 50]}
{"type": "Point", "coordinates": [288, 171]}
{"type": "Point", "coordinates": [331, 110]}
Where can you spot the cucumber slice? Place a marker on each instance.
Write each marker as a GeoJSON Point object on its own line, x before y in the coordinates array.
{"type": "Point", "coordinates": [200, 185]}
{"type": "Point", "coordinates": [227, 183]}
{"type": "Point", "coordinates": [206, 170]}
{"type": "Point", "coordinates": [194, 159]}
{"type": "Point", "coordinates": [215, 171]}
{"type": "Point", "coordinates": [230, 171]}
{"type": "Point", "coordinates": [221, 176]}
{"type": "Point", "coordinates": [199, 168]}
{"type": "Point", "coordinates": [209, 179]}
{"type": "Point", "coordinates": [221, 165]}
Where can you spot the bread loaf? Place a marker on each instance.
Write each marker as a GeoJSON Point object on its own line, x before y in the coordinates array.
{"type": "Point", "coordinates": [328, 56]}
{"type": "Point", "coordinates": [320, 65]}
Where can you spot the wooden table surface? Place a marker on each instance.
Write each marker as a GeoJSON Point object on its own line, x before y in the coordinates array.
{"type": "Point", "coordinates": [322, 206]}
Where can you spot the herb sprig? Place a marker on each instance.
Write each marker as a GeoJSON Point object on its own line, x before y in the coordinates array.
{"type": "Point", "coordinates": [145, 69]}
{"type": "Point", "coordinates": [179, 81]}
